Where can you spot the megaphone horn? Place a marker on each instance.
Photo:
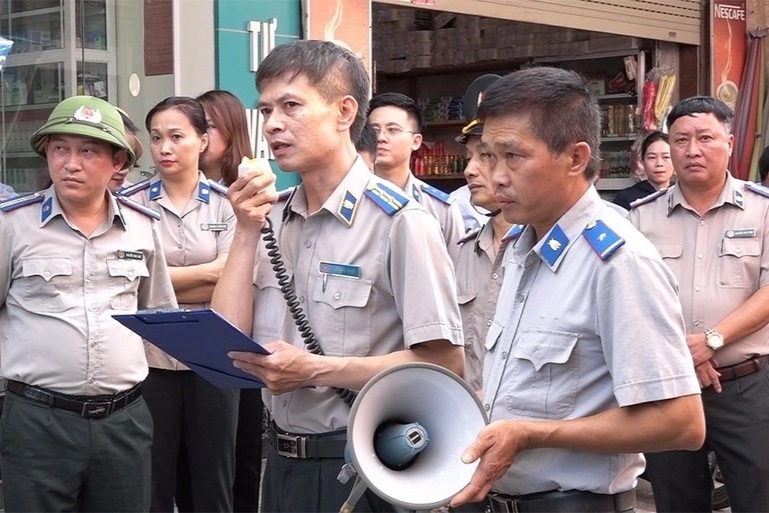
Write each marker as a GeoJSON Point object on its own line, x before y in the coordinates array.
{"type": "Point", "coordinates": [407, 429]}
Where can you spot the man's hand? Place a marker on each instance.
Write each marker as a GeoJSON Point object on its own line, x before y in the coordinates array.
{"type": "Point", "coordinates": [253, 194]}
{"type": "Point", "coordinates": [286, 369]}
{"type": "Point", "coordinates": [497, 445]}
{"type": "Point", "coordinates": [701, 353]}
{"type": "Point", "coordinates": [708, 375]}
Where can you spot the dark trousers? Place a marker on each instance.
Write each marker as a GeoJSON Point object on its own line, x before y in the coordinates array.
{"type": "Point", "coordinates": [56, 460]}
{"type": "Point", "coordinates": [184, 405]}
{"type": "Point", "coordinates": [296, 485]}
{"type": "Point", "coordinates": [737, 426]}
{"type": "Point", "coordinates": [248, 452]}
{"type": "Point", "coordinates": [248, 458]}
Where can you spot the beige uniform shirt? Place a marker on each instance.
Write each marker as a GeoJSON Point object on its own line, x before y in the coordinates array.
{"type": "Point", "coordinates": [479, 278]}
{"type": "Point", "coordinates": [372, 276]}
{"type": "Point", "coordinates": [196, 235]}
{"type": "Point", "coordinates": [719, 259]}
{"type": "Point", "coordinates": [59, 290]}
{"type": "Point", "coordinates": [445, 210]}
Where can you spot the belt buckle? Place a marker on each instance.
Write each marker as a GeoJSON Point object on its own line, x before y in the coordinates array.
{"type": "Point", "coordinates": [291, 446]}
{"type": "Point", "coordinates": [96, 409]}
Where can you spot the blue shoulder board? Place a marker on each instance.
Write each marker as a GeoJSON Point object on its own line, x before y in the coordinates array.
{"type": "Point", "coordinates": [21, 201]}
{"type": "Point", "coordinates": [135, 205]}
{"type": "Point", "coordinates": [647, 199]}
{"type": "Point", "coordinates": [436, 193]}
{"type": "Point", "coordinates": [757, 188]}
{"type": "Point", "coordinates": [513, 232]}
{"type": "Point", "coordinates": [132, 189]}
{"type": "Point", "coordinates": [387, 199]}
{"type": "Point", "coordinates": [469, 236]}
{"type": "Point", "coordinates": [221, 189]}
{"type": "Point", "coordinates": [602, 239]}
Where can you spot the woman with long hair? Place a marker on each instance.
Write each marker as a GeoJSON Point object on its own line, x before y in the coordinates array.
{"type": "Point", "coordinates": [197, 225]}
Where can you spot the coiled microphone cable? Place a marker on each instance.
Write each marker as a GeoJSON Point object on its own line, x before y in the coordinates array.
{"type": "Point", "coordinates": [289, 294]}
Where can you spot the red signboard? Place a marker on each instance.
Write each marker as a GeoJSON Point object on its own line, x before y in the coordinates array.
{"type": "Point", "coordinates": [728, 48]}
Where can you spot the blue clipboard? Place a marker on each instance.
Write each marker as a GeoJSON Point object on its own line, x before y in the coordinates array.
{"type": "Point", "coordinates": [200, 339]}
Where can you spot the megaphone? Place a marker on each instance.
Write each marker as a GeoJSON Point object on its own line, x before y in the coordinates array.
{"type": "Point", "coordinates": [406, 433]}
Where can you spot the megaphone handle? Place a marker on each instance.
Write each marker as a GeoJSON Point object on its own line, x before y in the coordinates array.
{"type": "Point", "coordinates": [358, 489]}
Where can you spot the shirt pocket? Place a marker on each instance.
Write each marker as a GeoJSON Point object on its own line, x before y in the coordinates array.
{"type": "Point", "coordinates": [48, 283]}
{"type": "Point", "coordinates": [124, 279]}
{"type": "Point", "coordinates": [739, 263]}
{"type": "Point", "coordinates": [269, 304]}
{"type": "Point", "coordinates": [341, 305]}
{"type": "Point", "coordinates": [546, 374]}
{"type": "Point", "coordinates": [671, 255]}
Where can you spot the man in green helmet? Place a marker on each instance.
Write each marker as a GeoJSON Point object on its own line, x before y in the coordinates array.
{"type": "Point", "coordinates": [76, 434]}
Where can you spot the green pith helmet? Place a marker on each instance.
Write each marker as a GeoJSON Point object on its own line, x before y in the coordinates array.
{"type": "Point", "coordinates": [86, 116]}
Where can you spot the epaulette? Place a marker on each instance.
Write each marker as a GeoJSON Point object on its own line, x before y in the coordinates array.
{"type": "Point", "coordinates": [130, 190]}
{"type": "Point", "coordinates": [285, 194]}
{"type": "Point", "coordinates": [472, 234]}
{"type": "Point", "coordinates": [513, 232]}
{"type": "Point", "coordinates": [757, 188]}
{"type": "Point", "coordinates": [135, 205]}
{"type": "Point", "coordinates": [602, 239]}
{"type": "Point", "coordinates": [386, 198]}
{"type": "Point", "coordinates": [221, 189]}
{"type": "Point", "coordinates": [647, 199]}
{"type": "Point", "coordinates": [21, 201]}
{"type": "Point", "coordinates": [436, 193]}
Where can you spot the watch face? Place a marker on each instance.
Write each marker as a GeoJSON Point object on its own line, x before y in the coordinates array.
{"type": "Point", "coordinates": [714, 340]}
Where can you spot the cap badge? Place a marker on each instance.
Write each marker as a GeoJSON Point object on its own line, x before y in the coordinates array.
{"type": "Point", "coordinates": [88, 114]}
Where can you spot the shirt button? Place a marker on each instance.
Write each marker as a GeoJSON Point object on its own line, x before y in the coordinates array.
{"type": "Point", "coordinates": [337, 296]}
{"type": "Point", "coordinates": [301, 299]}
{"type": "Point", "coordinates": [488, 323]}
{"type": "Point", "coordinates": [93, 344]}
{"type": "Point", "coordinates": [130, 273]}
{"type": "Point", "coordinates": [179, 246]}
{"type": "Point", "coordinates": [307, 244]}
{"type": "Point", "coordinates": [504, 355]}
{"type": "Point", "coordinates": [702, 222]}
{"type": "Point", "coordinates": [92, 380]}
{"type": "Point", "coordinates": [698, 289]}
{"type": "Point", "coordinates": [486, 407]}
{"type": "Point", "coordinates": [495, 276]}
{"type": "Point", "coordinates": [738, 251]}
{"type": "Point", "coordinates": [519, 298]}
{"type": "Point", "coordinates": [696, 323]}
{"type": "Point", "coordinates": [47, 274]}
{"type": "Point", "coordinates": [92, 308]}
{"type": "Point", "coordinates": [700, 256]}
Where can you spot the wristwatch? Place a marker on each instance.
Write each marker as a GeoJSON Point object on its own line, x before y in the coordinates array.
{"type": "Point", "coordinates": [713, 339]}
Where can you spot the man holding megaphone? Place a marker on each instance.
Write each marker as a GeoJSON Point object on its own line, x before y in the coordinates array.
{"type": "Point", "coordinates": [587, 362]}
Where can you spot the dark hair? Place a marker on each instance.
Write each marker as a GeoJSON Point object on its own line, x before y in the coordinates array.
{"type": "Point", "coordinates": [702, 105]}
{"type": "Point", "coordinates": [334, 70]}
{"type": "Point", "coordinates": [190, 107]}
{"type": "Point", "coordinates": [229, 117]}
{"type": "Point", "coordinates": [763, 164]}
{"type": "Point", "coordinates": [127, 123]}
{"type": "Point", "coordinates": [400, 101]}
{"type": "Point", "coordinates": [561, 109]}
{"type": "Point", "coordinates": [651, 139]}
{"type": "Point", "coordinates": [367, 140]}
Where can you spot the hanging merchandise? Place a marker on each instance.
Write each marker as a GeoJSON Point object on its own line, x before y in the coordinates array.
{"type": "Point", "coordinates": [666, 81]}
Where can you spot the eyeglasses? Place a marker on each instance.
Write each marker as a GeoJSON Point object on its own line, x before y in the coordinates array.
{"type": "Point", "coordinates": [391, 130]}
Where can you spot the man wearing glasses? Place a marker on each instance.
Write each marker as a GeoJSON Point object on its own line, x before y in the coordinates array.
{"type": "Point", "coordinates": [397, 121]}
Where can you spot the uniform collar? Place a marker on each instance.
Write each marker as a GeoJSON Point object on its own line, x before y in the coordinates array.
{"type": "Point", "coordinates": [552, 248]}
{"type": "Point", "coordinates": [203, 191]}
{"type": "Point", "coordinates": [343, 202]}
{"type": "Point", "coordinates": [414, 187]}
{"type": "Point", "coordinates": [732, 193]}
{"type": "Point", "coordinates": [51, 208]}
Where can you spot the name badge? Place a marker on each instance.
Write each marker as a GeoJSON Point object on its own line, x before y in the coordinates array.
{"type": "Point", "coordinates": [341, 270]}
{"type": "Point", "coordinates": [123, 254]}
{"type": "Point", "coordinates": [743, 233]}
{"type": "Point", "coordinates": [214, 227]}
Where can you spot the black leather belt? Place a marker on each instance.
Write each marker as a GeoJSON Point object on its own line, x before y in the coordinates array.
{"type": "Point", "coordinates": [743, 369]}
{"type": "Point", "coordinates": [323, 445]}
{"type": "Point", "coordinates": [90, 407]}
{"type": "Point", "coordinates": [572, 501]}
